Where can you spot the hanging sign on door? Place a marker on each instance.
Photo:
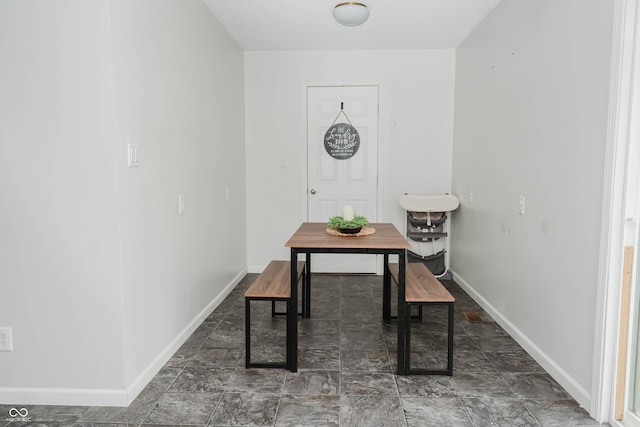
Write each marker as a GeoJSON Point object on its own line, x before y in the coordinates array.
{"type": "Point", "coordinates": [342, 141]}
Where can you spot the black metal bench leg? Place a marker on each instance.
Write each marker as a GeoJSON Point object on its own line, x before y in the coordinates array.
{"type": "Point", "coordinates": [288, 333]}
{"type": "Point", "coordinates": [247, 329]}
{"type": "Point", "coordinates": [303, 297]}
{"type": "Point", "coordinates": [450, 342]}
{"type": "Point", "coordinates": [450, 324]}
{"type": "Point", "coordinates": [247, 315]}
{"type": "Point", "coordinates": [407, 340]}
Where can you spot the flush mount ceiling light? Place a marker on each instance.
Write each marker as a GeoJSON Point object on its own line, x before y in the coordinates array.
{"type": "Point", "coordinates": [351, 13]}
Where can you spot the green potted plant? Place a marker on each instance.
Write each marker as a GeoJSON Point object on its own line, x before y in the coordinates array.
{"type": "Point", "coordinates": [351, 226]}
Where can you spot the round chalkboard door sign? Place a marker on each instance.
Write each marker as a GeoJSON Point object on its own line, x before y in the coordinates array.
{"type": "Point", "coordinates": [341, 141]}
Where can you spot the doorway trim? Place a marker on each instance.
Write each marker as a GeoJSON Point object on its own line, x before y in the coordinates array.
{"type": "Point", "coordinates": [624, 44]}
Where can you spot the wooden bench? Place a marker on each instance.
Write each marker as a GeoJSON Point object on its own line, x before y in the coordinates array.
{"type": "Point", "coordinates": [423, 288]}
{"type": "Point", "coordinates": [273, 284]}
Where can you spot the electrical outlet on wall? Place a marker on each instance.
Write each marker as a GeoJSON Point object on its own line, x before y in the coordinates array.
{"type": "Point", "coordinates": [6, 339]}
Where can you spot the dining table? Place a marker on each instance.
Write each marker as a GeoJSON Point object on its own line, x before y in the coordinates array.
{"type": "Point", "coordinates": [380, 239]}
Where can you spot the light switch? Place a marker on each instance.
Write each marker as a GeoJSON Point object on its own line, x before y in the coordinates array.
{"type": "Point", "coordinates": [521, 205]}
{"type": "Point", "coordinates": [181, 204]}
{"type": "Point", "coordinates": [132, 149]}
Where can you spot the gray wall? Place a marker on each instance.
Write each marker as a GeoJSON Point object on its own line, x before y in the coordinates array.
{"type": "Point", "coordinates": [531, 120]}
{"type": "Point", "coordinates": [97, 268]}
{"type": "Point", "coordinates": [414, 135]}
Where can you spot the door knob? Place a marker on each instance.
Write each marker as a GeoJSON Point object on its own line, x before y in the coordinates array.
{"type": "Point", "coordinates": [312, 191]}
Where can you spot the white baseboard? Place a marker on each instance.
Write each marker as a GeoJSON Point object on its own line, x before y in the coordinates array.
{"type": "Point", "coordinates": [134, 389]}
{"type": "Point", "coordinates": [116, 397]}
{"type": "Point", "coordinates": [62, 396]}
{"type": "Point", "coordinates": [256, 268]}
{"type": "Point", "coordinates": [579, 393]}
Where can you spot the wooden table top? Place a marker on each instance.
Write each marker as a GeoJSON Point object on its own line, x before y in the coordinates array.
{"type": "Point", "coordinates": [314, 235]}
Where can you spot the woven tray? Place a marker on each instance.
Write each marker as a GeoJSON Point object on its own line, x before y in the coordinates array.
{"type": "Point", "coordinates": [366, 231]}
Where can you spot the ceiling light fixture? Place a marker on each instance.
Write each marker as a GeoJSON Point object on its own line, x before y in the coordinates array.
{"type": "Point", "coordinates": [351, 13]}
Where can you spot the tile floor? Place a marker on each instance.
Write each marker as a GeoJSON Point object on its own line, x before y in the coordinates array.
{"type": "Point", "coordinates": [345, 376]}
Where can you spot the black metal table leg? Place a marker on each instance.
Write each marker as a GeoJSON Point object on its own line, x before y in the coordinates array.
{"type": "Point", "coordinates": [402, 313]}
{"type": "Point", "coordinates": [292, 316]}
{"type": "Point", "coordinates": [386, 289]}
{"type": "Point", "coordinates": [307, 284]}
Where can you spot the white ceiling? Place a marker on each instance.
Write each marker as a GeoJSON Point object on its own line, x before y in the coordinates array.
{"type": "Point", "coordinates": [309, 24]}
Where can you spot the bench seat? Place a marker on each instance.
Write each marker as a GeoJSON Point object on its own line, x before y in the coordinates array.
{"type": "Point", "coordinates": [273, 284]}
{"type": "Point", "coordinates": [423, 288]}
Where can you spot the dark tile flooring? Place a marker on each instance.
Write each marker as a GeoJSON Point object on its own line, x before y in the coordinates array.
{"type": "Point", "coordinates": [346, 372]}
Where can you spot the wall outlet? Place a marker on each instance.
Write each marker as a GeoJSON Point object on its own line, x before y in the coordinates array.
{"type": "Point", "coordinates": [521, 205]}
{"type": "Point", "coordinates": [6, 339]}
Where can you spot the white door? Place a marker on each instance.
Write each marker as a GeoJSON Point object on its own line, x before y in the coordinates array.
{"type": "Point", "coordinates": [339, 176]}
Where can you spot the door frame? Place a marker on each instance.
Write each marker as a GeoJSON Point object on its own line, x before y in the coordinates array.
{"type": "Point", "coordinates": [626, 41]}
